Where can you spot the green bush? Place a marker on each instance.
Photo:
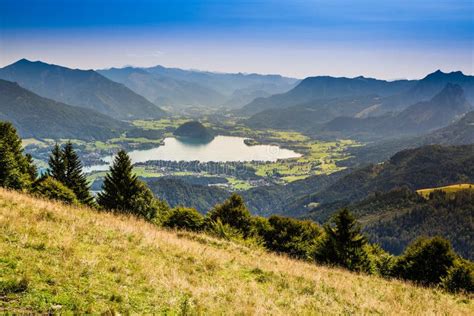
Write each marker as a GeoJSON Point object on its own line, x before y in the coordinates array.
{"type": "Point", "coordinates": [293, 237]}
{"type": "Point", "coordinates": [49, 188]}
{"type": "Point", "coordinates": [234, 213]}
{"type": "Point", "coordinates": [381, 262]}
{"type": "Point", "coordinates": [426, 261]}
{"type": "Point", "coordinates": [460, 277]}
{"type": "Point", "coordinates": [184, 218]}
{"type": "Point", "coordinates": [224, 231]}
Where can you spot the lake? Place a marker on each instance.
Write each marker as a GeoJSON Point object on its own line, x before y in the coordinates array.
{"type": "Point", "coordinates": [220, 149]}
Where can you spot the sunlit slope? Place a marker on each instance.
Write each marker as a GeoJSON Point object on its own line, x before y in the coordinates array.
{"type": "Point", "coordinates": [57, 258]}
{"type": "Point", "coordinates": [448, 189]}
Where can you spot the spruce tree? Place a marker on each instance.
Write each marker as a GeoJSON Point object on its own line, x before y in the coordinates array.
{"type": "Point", "coordinates": [75, 179]}
{"type": "Point", "coordinates": [344, 244]}
{"type": "Point", "coordinates": [16, 170]}
{"type": "Point", "coordinates": [56, 164]}
{"type": "Point", "coordinates": [65, 167]}
{"type": "Point", "coordinates": [124, 193]}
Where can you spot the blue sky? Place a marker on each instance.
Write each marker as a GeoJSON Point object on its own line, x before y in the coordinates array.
{"type": "Point", "coordinates": [384, 39]}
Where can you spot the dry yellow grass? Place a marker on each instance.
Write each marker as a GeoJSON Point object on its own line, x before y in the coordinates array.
{"type": "Point", "coordinates": [79, 260]}
{"type": "Point", "coordinates": [448, 189]}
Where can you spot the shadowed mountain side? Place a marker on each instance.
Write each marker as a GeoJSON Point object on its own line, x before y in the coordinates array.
{"type": "Point", "coordinates": [84, 88]}
{"type": "Point", "coordinates": [424, 167]}
{"type": "Point", "coordinates": [325, 87]}
{"type": "Point", "coordinates": [444, 108]}
{"type": "Point", "coordinates": [39, 117]}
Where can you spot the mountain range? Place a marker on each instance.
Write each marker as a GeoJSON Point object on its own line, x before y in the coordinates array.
{"type": "Point", "coordinates": [444, 108]}
{"type": "Point", "coordinates": [319, 100]}
{"type": "Point", "coordinates": [175, 88]}
{"type": "Point", "coordinates": [83, 88]}
{"type": "Point", "coordinates": [38, 117]}
{"type": "Point", "coordinates": [313, 89]}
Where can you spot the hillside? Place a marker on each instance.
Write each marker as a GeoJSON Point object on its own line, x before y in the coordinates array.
{"type": "Point", "coordinates": [162, 90]}
{"type": "Point", "coordinates": [84, 88]}
{"type": "Point", "coordinates": [444, 108]}
{"type": "Point", "coordinates": [263, 201]}
{"type": "Point", "coordinates": [424, 167]}
{"type": "Point", "coordinates": [228, 83]}
{"type": "Point", "coordinates": [306, 117]}
{"type": "Point", "coordinates": [325, 87]}
{"type": "Point", "coordinates": [428, 87]}
{"type": "Point", "coordinates": [460, 132]}
{"type": "Point", "coordinates": [194, 130]}
{"type": "Point", "coordinates": [39, 117]}
{"type": "Point", "coordinates": [396, 218]}
{"type": "Point", "coordinates": [177, 88]}
{"type": "Point", "coordinates": [57, 259]}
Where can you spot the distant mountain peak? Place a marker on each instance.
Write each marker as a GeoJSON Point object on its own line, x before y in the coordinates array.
{"type": "Point", "coordinates": [440, 74]}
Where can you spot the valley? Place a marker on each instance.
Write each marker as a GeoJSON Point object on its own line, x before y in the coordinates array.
{"type": "Point", "coordinates": [238, 157]}
{"type": "Point", "coordinates": [316, 157]}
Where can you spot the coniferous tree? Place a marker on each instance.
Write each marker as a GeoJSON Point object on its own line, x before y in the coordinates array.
{"type": "Point", "coordinates": [16, 171]}
{"type": "Point", "coordinates": [65, 167]}
{"type": "Point", "coordinates": [75, 179]}
{"type": "Point", "coordinates": [123, 192]}
{"type": "Point", "coordinates": [344, 244]}
{"type": "Point", "coordinates": [56, 164]}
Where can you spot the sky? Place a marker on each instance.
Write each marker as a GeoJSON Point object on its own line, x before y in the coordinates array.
{"type": "Point", "coordinates": [376, 38]}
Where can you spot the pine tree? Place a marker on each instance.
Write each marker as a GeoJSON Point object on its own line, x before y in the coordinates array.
{"type": "Point", "coordinates": [344, 244]}
{"type": "Point", "coordinates": [75, 179]}
{"type": "Point", "coordinates": [123, 192]}
{"type": "Point", "coordinates": [56, 164]}
{"type": "Point", "coordinates": [16, 170]}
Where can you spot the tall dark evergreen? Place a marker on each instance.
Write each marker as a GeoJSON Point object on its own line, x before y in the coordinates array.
{"type": "Point", "coordinates": [65, 167]}
{"type": "Point", "coordinates": [56, 165]}
{"type": "Point", "coordinates": [123, 192]}
{"type": "Point", "coordinates": [75, 179]}
{"type": "Point", "coordinates": [344, 244]}
{"type": "Point", "coordinates": [16, 170]}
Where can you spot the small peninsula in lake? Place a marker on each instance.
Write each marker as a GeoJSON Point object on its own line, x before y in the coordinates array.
{"type": "Point", "coordinates": [194, 131]}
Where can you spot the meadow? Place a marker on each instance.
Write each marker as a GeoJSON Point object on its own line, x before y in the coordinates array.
{"type": "Point", "coordinates": [57, 258]}
{"type": "Point", "coordinates": [450, 189]}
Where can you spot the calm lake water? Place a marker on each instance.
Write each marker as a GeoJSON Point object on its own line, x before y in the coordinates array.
{"type": "Point", "coordinates": [220, 149]}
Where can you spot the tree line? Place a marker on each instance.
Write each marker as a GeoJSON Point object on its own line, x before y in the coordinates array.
{"type": "Point", "coordinates": [340, 242]}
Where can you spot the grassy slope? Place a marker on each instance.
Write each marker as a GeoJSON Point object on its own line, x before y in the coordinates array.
{"type": "Point", "coordinates": [448, 189]}
{"type": "Point", "coordinates": [75, 258]}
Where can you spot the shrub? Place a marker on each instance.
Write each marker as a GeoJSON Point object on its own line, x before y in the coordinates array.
{"type": "Point", "coordinates": [425, 261]}
{"type": "Point", "coordinates": [234, 213]}
{"type": "Point", "coordinates": [460, 277]}
{"type": "Point", "coordinates": [184, 218]}
{"type": "Point", "coordinates": [381, 262]}
{"type": "Point", "coordinates": [50, 188]}
{"type": "Point", "coordinates": [293, 237]}
{"type": "Point", "coordinates": [224, 231]}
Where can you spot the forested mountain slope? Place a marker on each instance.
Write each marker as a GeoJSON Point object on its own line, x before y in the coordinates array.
{"type": "Point", "coordinates": [84, 88]}
{"type": "Point", "coordinates": [38, 117]}
{"type": "Point", "coordinates": [424, 167]}
{"type": "Point", "coordinates": [396, 218]}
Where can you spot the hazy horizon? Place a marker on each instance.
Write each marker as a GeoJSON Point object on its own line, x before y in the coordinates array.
{"type": "Point", "coordinates": [390, 40]}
